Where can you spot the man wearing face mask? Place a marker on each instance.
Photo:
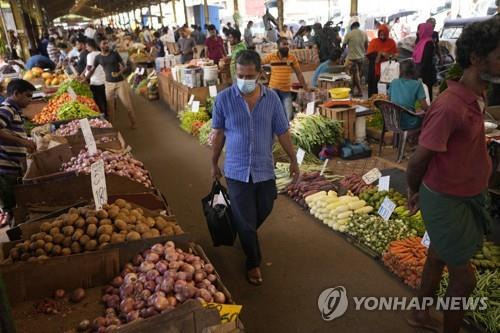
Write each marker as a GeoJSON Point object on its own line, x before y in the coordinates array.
{"type": "Point", "coordinates": [246, 118]}
{"type": "Point", "coordinates": [449, 172]}
{"type": "Point", "coordinates": [283, 65]}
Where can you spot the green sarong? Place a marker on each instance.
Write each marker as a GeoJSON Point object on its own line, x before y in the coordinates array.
{"type": "Point", "coordinates": [456, 225]}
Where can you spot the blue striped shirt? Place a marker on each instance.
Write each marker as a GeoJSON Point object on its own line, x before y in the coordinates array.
{"type": "Point", "coordinates": [249, 135]}
{"type": "Point", "coordinates": [12, 155]}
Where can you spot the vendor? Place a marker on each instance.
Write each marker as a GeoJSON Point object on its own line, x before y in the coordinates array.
{"type": "Point", "coordinates": [214, 45]}
{"type": "Point", "coordinates": [14, 143]}
{"type": "Point", "coordinates": [283, 65]}
{"type": "Point", "coordinates": [237, 45]}
{"type": "Point", "coordinates": [186, 46]}
{"type": "Point", "coordinates": [406, 92]}
{"type": "Point", "coordinates": [326, 67]}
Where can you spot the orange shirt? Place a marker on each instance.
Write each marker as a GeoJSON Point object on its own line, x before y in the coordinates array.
{"type": "Point", "coordinates": [281, 70]}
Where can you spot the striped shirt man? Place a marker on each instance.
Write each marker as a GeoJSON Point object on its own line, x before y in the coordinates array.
{"type": "Point", "coordinates": [281, 70]}
{"type": "Point", "coordinates": [54, 53]}
{"type": "Point", "coordinates": [249, 135]}
{"type": "Point", "coordinates": [12, 155]}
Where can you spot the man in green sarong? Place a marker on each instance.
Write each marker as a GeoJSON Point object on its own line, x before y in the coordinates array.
{"type": "Point", "coordinates": [449, 172]}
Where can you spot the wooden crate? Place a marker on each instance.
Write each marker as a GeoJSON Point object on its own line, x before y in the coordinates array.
{"type": "Point", "coordinates": [346, 115]}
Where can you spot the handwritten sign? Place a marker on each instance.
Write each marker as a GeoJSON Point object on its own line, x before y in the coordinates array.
{"type": "Point", "coordinates": [72, 94]}
{"type": "Point", "coordinates": [88, 136]}
{"type": "Point", "coordinates": [426, 240]}
{"type": "Point", "coordinates": [212, 90]}
{"type": "Point", "coordinates": [310, 109]}
{"type": "Point", "coordinates": [386, 209]}
{"type": "Point", "coordinates": [300, 155]}
{"type": "Point", "coordinates": [195, 107]}
{"type": "Point", "coordinates": [383, 183]}
{"type": "Point", "coordinates": [98, 179]}
{"type": "Point", "coordinates": [324, 167]}
{"type": "Point", "coordinates": [227, 312]}
{"type": "Point", "coordinates": [371, 176]}
{"type": "Point", "coordinates": [191, 99]}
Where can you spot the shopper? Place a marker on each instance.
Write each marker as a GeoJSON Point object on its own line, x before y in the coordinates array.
{"type": "Point", "coordinates": [449, 172]}
{"type": "Point", "coordinates": [379, 50]}
{"type": "Point", "coordinates": [214, 45]}
{"type": "Point", "coordinates": [186, 46]}
{"type": "Point", "coordinates": [90, 32]}
{"type": "Point", "coordinates": [115, 84]}
{"type": "Point", "coordinates": [53, 51]}
{"type": "Point", "coordinates": [423, 55]}
{"type": "Point", "coordinates": [14, 143]}
{"type": "Point", "coordinates": [200, 41]}
{"type": "Point", "coordinates": [38, 60]}
{"type": "Point", "coordinates": [298, 40]}
{"type": "Point", "coordinates": [81, 63]}
{"type": "Point", "coordinates": [356, 42]}
{"type": "Point", "coordinates": [326, 67]}
{"type": "Point", "coordinates": [283, 65]}
{"type": "Point", "coordinates": [406, 92]}
{"type": "Point", "coordinates": [246, 117]}
{"type": "Point", "coordinates": [234, 37]}
{"type": "Point", "coordinates": [248, 35]}
{"type": "Point", "coordinates": [98, 77]}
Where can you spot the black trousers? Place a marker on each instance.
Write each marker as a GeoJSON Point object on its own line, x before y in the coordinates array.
{"type": "Point", "coordinates": [251, 204]}
{"type": "Point", "coordinates": [99, 93]}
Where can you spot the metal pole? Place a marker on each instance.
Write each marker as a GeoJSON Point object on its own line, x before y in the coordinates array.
{"type": "Point", "coordinates": [175, 14]}
{"type": "Point", "coordinates": [205, 9]}
{"type": "Point", "coordinates": [161, 12]}
{"type": "Point", "coordinates": [354, 7]}
{"type": "Point", "coordinates": [280, 15]}
{"type": "Point", "coordinates": [236, 15]}
{"type": "Point", "coordinates": [185, 12]}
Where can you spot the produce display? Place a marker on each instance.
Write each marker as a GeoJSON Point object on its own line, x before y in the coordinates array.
{"type": "Point", "coordinates": [313, 131]}
{"type": "Point", "coordinates": [487, 285]}
{"type": "Point", "coordinates": [309, 183]}
{"type": "Point", "coordinates": [204, 132]}
{"type": "Point", "coordinates": [192, 121]}
{"type": "Point", "coordinates": [355, 184]}
{"type": "Point", "coordinates": [280, 155]}
{"type": "Point", "coordinates": [336, 211]}
{"type": "Point", "coordinates": [75, 110]}
{"type": "Point", "coordinates": [283, 179]}
{"type": "Point", "coordinates": [114, 163]}
{"type": "Point", "coordinates": [80, 88]}
{"type": "Point", "coordinates": [50, 111]}
{"type": "Point", "coordinates": [156, 281]}
{"type": "Point", "coordinates": [85, 229]}
{"type": "Point", "coordinates": [73, 127]}
{"type": "Point", "coordinates": [406, 259]}
{"type": "Point", "coordinates": [488, 257]}
{"type": "Point", "coordinates": [377, 233]}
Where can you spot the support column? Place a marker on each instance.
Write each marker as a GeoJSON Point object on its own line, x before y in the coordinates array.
{"type": "Point", "coordinates": [185, 12]}
{"type": "Point", "coordinates": [205, 10]}
{"type": "Point", "coordinates": [281, 19]}
{"type": "Point", "coordinates": [161, 12]}
{"type": "Point", "coordinates": [354, 8]}
{"type": "Point", "coordinates": [173, 9]}
{"type": "Point", "coordinates": [236, 15]}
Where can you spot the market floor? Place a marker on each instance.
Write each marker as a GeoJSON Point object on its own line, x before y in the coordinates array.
{"type": "Point", "coordinates": [301, 256]}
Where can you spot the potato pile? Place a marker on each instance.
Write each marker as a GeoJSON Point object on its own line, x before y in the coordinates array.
{"type": "Point", "coordinates": [85, 229]}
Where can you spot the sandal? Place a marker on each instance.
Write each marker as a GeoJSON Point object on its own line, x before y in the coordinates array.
{"type": "Point", "coordinates": [254, 276]}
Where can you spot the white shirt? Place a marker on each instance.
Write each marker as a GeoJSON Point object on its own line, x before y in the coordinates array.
{"type": "Point", "coordinates": [98, 78]}
{"type": "Point", "coordinates": [90, 33]}
{"type": "Point", "coordinates": [74, 53]}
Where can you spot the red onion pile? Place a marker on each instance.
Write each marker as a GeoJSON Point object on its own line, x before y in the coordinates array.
{"type": "Point", "coordinates": [119, 164]}
{"type": "Point", "coordinates": [72, 127]}
{"type": "Point", "coordinates": [157, 281]}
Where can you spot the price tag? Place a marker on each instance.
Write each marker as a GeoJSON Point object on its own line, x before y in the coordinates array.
{"type": "Point", "coordinates": [300, 155]}
{"type": "Point", "coordinates": [191, 99]}
{"type": "Point", "coordinates": [324, 167]}
{"type": "Point", "coordinates": [143, 70]}
{"type": "Point", "coordinates": [310, 109]}
{"type": "Point", "coordinates": [137, 70]}
{"type": "Point", "coordinates": [88, 136]}
{"type": "Point", "coordinates": [227, 312]}
{"type": "Point", "coordinates": [72, 94]}
{"type": "Point", "coordinates": [195, 107]}
{"type": "Point", "coordinates": [426, 241]}
{"type": "Point", "coordinates": [386, 209]}
{"type": "Point", "coordinates": [371, 176]}
{"type": "Point", "coordinates": [98, 179]}
{"type": "Point", "coordinates": [383, 183]}
{"type": "Point", "coordinates": [213, 91]}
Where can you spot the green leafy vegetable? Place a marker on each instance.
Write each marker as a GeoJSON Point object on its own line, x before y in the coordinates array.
{"type": "Point", "coordinates": [187, 118]}
{"type": "Point", "coordinates": [310, 132]}
{"type": "Point", "coordinates": [75, 110]}
{"type": "Point", "coordinates": [81, 89]}
{"type": "Point", "coordinates": [205, 132]}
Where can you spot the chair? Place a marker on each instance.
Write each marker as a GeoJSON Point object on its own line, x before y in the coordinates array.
{"type": "Point", "coordinates": [391, 113]}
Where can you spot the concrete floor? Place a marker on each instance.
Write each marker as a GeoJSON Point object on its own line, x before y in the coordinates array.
{"type": "Point", "coordinates": [302, 257]}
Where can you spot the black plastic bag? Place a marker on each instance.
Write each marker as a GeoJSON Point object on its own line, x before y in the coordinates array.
{"type": "Point", "coordinates": [219, 217]}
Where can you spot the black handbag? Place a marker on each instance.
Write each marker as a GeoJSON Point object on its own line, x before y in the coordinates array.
{"type": "Point", "coordinates": [219, 217]}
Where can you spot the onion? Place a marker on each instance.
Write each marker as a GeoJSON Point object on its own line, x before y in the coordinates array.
{"type": "Point", "coordinates": [180, 297]}
{"type": "Point", "coordinates": [206, 283]}
{"type": "Point", "coordinates": [105, 298]}
{"type": "Point", "coordinates": [77, 295]}
{"type": "Point", "coordinates": [161, 303]}
{"type": "Point", "coordinates": [84, 325]}
{"type": "Point", "coordinates": [59, 293]}
{"type": "Point", "coordinates": [130, 278]}
{"type": "Point", "coordinates": [179, 285]}
{"type": "Point", "coordinates": [158, 249]}
{"type": "Point", "coordinates": [181, 256]}
{"type": "Point", "coordinates": [174, 265]}
{"type": "Point", "coordinates": [170, 274]}
{"type": "Point", "coordinates": [139, 304]}
{"type": "Point", "coordinates": [132, 315]}
{"type": "Point", "coordinates": [117, 281]}
{"type": "Point", "coordinates": [138, 287]}
{"type": "Point", "coordinates": [172, 300]}
{"type": "Point", "coordinates": [219, 297]}
{"type": "Point", "coordinates": [138, 259]}
{"type": "Point", "coordinates": [167, 285]}
{"type": "Point", "coordinates": [212, 289]}
{"type": "Point", "coordinates": [170, 244]}
{"type": "Point", "coordinates": [112, 320]}
{"type": "Point", "coordinates": [98, 322]}
{"type": "Point", "coordinates": [108, 290]}
{"type": "Point", "coordinates": [197, 265]}
{"type": "Point", "coordinates": [152, 257]}
{"type": "Point", "coordinates": [181, 276]}
{"type": "Point", "coordinates": [126, 289]}
{"type": "Point", "coordinates": [159, 280]}
{"type": "Point", "coordinates": [152, 274]}
{"type": "Point", "coordinates": [110, 312]}
{"type": "Point", "coordinates": [161, 266]}
{"type": "Point", "coordinates": [209, 268]}
{"type": "Point", "coordinates": [179, 250]}
{"type": "Point", "coordinates": [127, 305]}
{"type": "Point", "coordinates": [148, 312]}
{"type": "Point", "coordinates": [144, 295]}
{"type": "Point", "coordinates": [150, 285]}
{"type": "Point", "coordinates": [189, 291]}
{"type": "Point", "coordinates": [211, 277]}
{"type": "Point", "coordinates": [188, 268]}
{"type": "Point", "coordinates": [147, 266]}
{"type": "Point", "coordinates": [199, 275]}
{"type": "Point", "coordinates": [205, 294]}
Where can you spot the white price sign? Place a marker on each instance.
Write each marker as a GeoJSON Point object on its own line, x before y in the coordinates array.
{"type": "Point", "coordinates": [212, 90]}
{"type": "Point", "coordinates": [137, 70]}
{"type": "Point", "coordinates": [72, 94]}
{"type": "Point", "coordinates": [324, 167]}
{"type": "Point", "coordinates": [426, 241]}
{"type": "Point", "coordinates": [300, 155]}
{"type": "Point", "coordinates": [88, 136]}
{"type": "Point", "coordinates": [310, 109]}
{"type": "Point", "coordinates": [195, 107]}
{"type": "Point", "coordinates": [98, 179]}
{"type": "Point", "coordinates": [371, 176]}
{"type": "Point", "coordinates": [191, 99]}
{"type": "Point", "coordinates": [383, 183]}
{"type": "Point", "coordinates": [386, 209]}
{"type": "Point", "coordinates": [143, 70]}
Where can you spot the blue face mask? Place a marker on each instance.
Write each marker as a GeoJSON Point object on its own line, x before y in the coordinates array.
{"type": "Point", "coordinates": [246, 86]}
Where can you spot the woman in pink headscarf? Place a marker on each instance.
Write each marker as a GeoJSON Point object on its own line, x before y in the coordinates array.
{"type": "Point", "coordinates": [423, 56]}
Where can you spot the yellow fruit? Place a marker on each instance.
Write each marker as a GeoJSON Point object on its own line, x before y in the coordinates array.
{"type": "Point", "coordinates": [46, 75]}
{"type": "Point", "coordinates": [28, 76]}
{"type": "Point", "coordinates": [55, 82]}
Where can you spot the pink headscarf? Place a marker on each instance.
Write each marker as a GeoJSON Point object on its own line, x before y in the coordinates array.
{"type": "Point", "coordinates": [425, 31]}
